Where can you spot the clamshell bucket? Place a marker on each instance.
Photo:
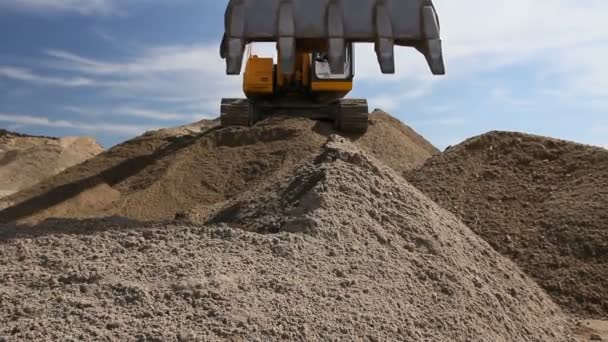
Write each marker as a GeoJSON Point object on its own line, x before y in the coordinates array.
{"type": "Point", "coordinates": [336, 23]}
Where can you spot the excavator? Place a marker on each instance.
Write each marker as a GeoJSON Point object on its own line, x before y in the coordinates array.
{"type": "Point", "coordinates": [314, 67]}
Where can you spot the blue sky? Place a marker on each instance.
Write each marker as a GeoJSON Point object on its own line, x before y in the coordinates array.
{"type": "Point", "coordinates": [116, 68]}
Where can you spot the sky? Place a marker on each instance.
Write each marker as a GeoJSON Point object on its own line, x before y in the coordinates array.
{"type": "Point", "coordinates": [114, 69]}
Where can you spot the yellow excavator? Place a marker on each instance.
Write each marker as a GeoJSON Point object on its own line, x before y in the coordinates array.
{"type": "Point", "coordinates": [315, 54]}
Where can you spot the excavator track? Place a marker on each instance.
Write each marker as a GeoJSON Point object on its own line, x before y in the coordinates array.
{"type": "Point", "coordinates": [352, 116]}
{"type": "Point", "coordinates": [236, 112]}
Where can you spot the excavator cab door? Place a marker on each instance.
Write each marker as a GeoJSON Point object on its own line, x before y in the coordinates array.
{"type": "Point", "coordinates": [321, 69]}
{"type": "Point", "coordinates": [324, 80]}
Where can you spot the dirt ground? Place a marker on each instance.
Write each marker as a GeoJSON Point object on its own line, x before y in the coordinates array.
{"type": "Point", "coordinates": [4, 193]}
{"type": "Point", "coordinates": [26, 160]}
{"type": "Point", "coordinates": [539, 201]}
{"type": "Point", "coordinates": [339, 248]}
{"type": "Point", "coordinates": [162, 173]}
{"type": "Point", "coordinates": [591, 330]}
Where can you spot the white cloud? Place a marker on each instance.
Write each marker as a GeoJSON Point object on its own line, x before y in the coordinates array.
{"type": "Point", "coordinates": [141, 113]}
{"type": "Point", "coordinates": [103, 35]}
{"type": "Point", "coordinates": [586, 69]}
{"type": "Point", "coordinates": [27, 120]}
{"type": "Point", "coordinates": [84, 7]}
{"type": "Point", "coordinates": [561, 36]}
{"type": "Point", "coordinates": [500, 94]}
{"type": "Point", "coordinates": [153, 114]}
{"type": "Point", "coordinates": [26, 75]}
{"type": "Point", "coordinates": [167, 59]}
{"type": "Point", "coordinates": [190, 76]}
{"type": "Point", "coordinates": [438, 108]}
{"type": "Point", "coordinates": [386, 103]}
{"type": "Point", "coordinates": [397, 96]}
{"type": "Point", "coordinates": [444, 121]}
{"type": "Point", "coordinates": [599, 128]}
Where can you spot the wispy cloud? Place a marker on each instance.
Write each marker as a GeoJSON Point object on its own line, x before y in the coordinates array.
{"type": "Point", "coordinates": [187, 75]}
{"type": "Point", "coordinates": [84, 7]}
{"type": "Point", "coordinates": [438, 108]}
{"type": "Point", "coordinates": [444, 121]}
{"type": "Point", "coordinates": [27, 120]}
{"type": "Point", "coordinates": [27, 75]}
{"type": "Point", "coordinates": [386, 103]}
{"type": "Point", "coordinates": [103, 34]}
{"type": "Point", "coordinates": [155, 114]}
{"type": "Point", "coordinates": [201, 58]}
{"type": "Point", "coordinates": [395, 96]}
{"type": "Point", "coordinates": [599, 128]}
{"type": "Point", "coordinates": [542, 34]}
{"type": "Point", "coordinates": [502, 95]}
{"type": "Point", "coordinates": [141, 113]}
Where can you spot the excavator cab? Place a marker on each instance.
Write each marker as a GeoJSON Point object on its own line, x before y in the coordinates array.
{"type": "Point", "coordinates": [315, 54]}
{"type": "Point", "coordinates": [322, 70]}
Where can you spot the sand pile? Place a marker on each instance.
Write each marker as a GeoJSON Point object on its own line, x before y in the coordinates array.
{"type": "Point", "coordinates": [340, 248]}
{"type": "Point", "coordinates": [542, 202]}
{"type": "Point", "coordinates": [26, 160]}
{"type": "Point", "coordinates": [159, 174]}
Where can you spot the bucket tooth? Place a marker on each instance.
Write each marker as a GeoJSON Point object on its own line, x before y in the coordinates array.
{"type": "Point", "coordinates": [234, 59]}
{"type": "Point", "coordinates": [286, 42]}
{"type": "Point", "coordinates": [385, 44]}
{"type": "Point", "coordinates": [431, 49]}
{"type": "Point", "coordinates": [337, 56]}
{"type": "Point", "coordinates": [431, 45]}
{"type": "Point", "coordinates": [386, 55]}
{"type": "Point", "coordinates": [336, 43]}
{"type": "Point", "coordinates": [233, 42]}
{"type": "Point", "coordinates": [287, 54]}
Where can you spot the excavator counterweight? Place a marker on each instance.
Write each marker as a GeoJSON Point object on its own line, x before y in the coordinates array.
{"type": "Point", "coordinates": [314, 40]}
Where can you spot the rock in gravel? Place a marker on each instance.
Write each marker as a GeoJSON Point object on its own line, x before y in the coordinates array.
{"type": "Point", "coordinates": [372, 259]}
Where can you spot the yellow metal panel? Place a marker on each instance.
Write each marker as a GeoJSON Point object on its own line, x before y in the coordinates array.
{"type": "Point", "coordinates": [306, 69]}
{"type": "Point", "coordinates": [337, 86]}
{"type": "Point", "coordinates": [258, 78]}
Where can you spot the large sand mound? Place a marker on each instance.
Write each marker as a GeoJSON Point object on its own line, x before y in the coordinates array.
{"type": "Point", "coordinates": [26, 160]}
{"type": "Point", "coordinates": [159, 174]}
{"type": "Point", "coordinates": [542, 202]}
{"type": "Point", "coordinates": [339, 248]}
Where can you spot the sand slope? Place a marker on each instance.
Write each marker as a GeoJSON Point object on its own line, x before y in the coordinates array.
{"type": "Point", "coordinates": [162, 173]}
{"type": "Point", "coordinates": [26, 160]}
{"type": "Point", "coordinates": [540, 201]}
{"type": "Point", "coordinates": [338, 248]}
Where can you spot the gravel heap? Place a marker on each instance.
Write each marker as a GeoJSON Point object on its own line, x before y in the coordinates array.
{"type": "Point", "coordinates": [339, 248]}
{"type": "Point", "coordinates": [161, 173]}
{"type": "Point", "coordinates": [539, 201]}
{"type": "Point", "coordinates": [25, 160]}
